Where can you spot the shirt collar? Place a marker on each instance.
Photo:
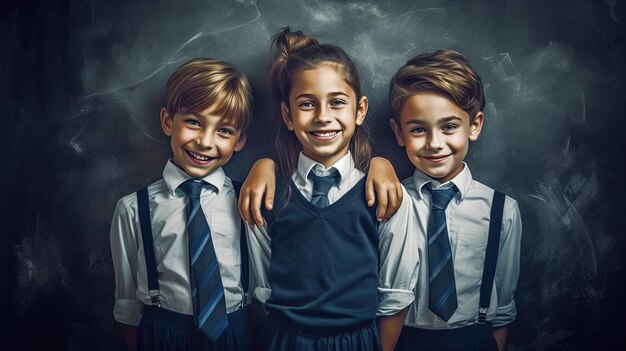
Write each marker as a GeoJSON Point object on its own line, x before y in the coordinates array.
{"type": "Point", "coordinates": [344, 165]}
{"type": "Point", "coordinates": [174, 177]}
{"type": "Point", "coordinates": [462, 181]}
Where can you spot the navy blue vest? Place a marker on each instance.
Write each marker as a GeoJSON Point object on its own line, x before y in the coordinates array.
{"type": "Point", "coordinates": [324, 265]}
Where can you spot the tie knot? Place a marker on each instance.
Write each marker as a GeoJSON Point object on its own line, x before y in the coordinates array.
{"type": "Point", "coordinates": [322, 184]}
{"type": "Point", "coordinates": [441, 197]}
{"type": "Point", "coordinates": [192, 188]}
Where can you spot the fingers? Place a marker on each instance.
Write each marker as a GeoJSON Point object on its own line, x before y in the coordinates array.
{"type": "Point", "coordinates": [269, 195]}
{"type": "Point", "coordinates": [392, 202]}
{"type": "Point", "coordinates": [256, 197]}
{"type": "Point", "coordinates": [260, 180]}
{"type": "Point", "coordinates": [383, 199]}
{"type": "Point", "coordinates": [400, 195]}
{"type": "Point", "coordinates": [369, 191]}
{"type": "Point", "coordinates": [243, 204]}
{"type": "Point", "coordinates": [389, 200]}
{"type": "Point", "coordinates": [249, 205]}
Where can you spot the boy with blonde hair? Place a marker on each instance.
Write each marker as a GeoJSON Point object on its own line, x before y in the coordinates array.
{"type": "Point", "coordinates": [179, 255]}
{"type": "Point", "coordinates": [469, 234]}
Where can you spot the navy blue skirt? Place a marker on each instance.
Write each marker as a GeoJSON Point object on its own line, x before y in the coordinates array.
{"type": "Point", "coordinates": [165, 330]}
{"type": "Point", "coordinates": [470, 338]}
{"type": "Point", "coordinates": [280, 334]}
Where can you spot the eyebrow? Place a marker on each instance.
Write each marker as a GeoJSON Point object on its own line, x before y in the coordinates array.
{"type": "Point", "coordinates": [223, 119]}
{"type": "Point", "coordinates": [334, 93]}
{"type": "Point", "coordinates": [443, 120]}
{"type": "Point", "coordinates": [195, 114]}
{"type": "Point", "coordinates": [451, 118]}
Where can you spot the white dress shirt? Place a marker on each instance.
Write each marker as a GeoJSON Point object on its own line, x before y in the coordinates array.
{"type": "Point", "coordinates": [467, 220]}
{"type": "Point", "coordinates": [168, 214]}
{"type": "Point", "coordinates": [397, 244]}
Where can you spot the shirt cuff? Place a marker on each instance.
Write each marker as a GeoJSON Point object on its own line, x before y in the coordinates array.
{"type": "Point", "coordinates": [504, 315]}
{"type": "Point", "coordinates": [128, 311]}
{"type": "Point", "coordinates": [262, 294]}
{"type": "Point", "coordinates": [393, 301]}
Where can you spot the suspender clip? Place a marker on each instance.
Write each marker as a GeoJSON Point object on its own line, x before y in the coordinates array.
{"type": "Point", "coordinates": [482, 315]}
{"type": "Point", "coordinates": [244, 300]}
{"type": "Point", "coordinates": [155, 297]}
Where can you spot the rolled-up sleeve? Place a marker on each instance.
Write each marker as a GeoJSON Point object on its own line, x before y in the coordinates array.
{"type": "Point", "coordinates": [399, 259]}
{"type": "Point", "coordinates": [507, 271]}
{"type": "Point", "coordinates": [124, 250]}
{"type": "Point", "coordinates": [260, 252]}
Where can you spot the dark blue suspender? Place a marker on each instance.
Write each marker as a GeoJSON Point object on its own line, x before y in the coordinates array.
{"type": "Point", "coordinates": [145, 222]}
{"type": "Point", "coordinates": [243, 244]}
{"type": "Point", "coordinates": [491, 254]}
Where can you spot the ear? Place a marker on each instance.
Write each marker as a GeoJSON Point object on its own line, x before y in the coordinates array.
{"type": "Point", "coordinates": [397, 131]}
{"type": "Point", "coordinates": [284, 112]}
{"type": "Point", "coordinates": [476, 126]}
{"type": "Point", "coordinates": [241, 142]}
{"type": "Point", "coordinates": [166, 121]}
{"type": "Point", "coordinates": [361, 110]}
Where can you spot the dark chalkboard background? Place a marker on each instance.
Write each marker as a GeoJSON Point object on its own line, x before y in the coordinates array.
{"type": "Point", "coordinates": [81, 86]}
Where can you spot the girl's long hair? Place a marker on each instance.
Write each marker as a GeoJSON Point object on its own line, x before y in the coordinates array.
{"type": "Point", "coordinates": [293, 52]}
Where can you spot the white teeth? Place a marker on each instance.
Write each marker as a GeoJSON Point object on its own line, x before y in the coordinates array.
{"type": "Point", "coordinates": [324, 134]}
{"type": "Point", "coordinates": [199, 157]}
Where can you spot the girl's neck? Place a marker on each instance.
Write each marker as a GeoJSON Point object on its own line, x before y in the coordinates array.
{"type": "Point", "coordinates": [326, 160]}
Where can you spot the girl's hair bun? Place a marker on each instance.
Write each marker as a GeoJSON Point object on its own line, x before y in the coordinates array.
{"type": "Point", "coordinates": [284, 43]}
{"type": "Point", "coordinates": [287, 42]}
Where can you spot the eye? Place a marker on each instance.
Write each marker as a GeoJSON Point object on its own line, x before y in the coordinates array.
{"type": "Point", "coordinates": [337, 103]}
{"type": "Point", "coordinates": [418, 130]}
{"type": "Point", "coordinates": [225, 130]}
{"type": "Point", "coordinates": [192, 122]}
{"type": "Point", "coordinates": [306, 105]}
{"type": "Point", "coordinates": [450, 127]}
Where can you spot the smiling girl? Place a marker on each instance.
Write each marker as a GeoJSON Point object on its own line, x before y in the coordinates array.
{"type": "Point", "coordinates": [324, 265]}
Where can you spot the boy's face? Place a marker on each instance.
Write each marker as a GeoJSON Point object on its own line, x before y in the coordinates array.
{"type": "Point", "coordinates": [201, 141]}
{"type": "Point", "coordinates": [436, 134]}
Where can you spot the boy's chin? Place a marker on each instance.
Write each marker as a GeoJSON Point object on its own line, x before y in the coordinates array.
{"type": "Point", "coordinates": [198, 174]}
{"type": "Point", "coordinates": [430, 173]}
{"type": "Point", "coordinates": [195, 172]}
{"type": "Point", "coordinates": [441, 176]}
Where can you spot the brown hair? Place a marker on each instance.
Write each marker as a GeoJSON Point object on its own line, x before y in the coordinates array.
{"type": "Point", "coordinates": [295, 52]}
{"type": "Point", "coordinates": [444, 71]}
{"type": "Point", "coordinates": [202, 83]}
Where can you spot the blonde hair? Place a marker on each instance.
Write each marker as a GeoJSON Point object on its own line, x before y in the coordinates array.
{"type": "Point", "coordinates": [295, 52]}
{"type": "Point", "coordinates": [444, 71]}
{"type": "Point", "coordinates": [204, 82]}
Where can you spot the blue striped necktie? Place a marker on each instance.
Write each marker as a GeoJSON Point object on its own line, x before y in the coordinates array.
{"type": "Point", "coordinates": [207, 291]}
{"type": "Point", "coordinates": [321, 186]}
{"type": "Point", "coordinates": [442, 287]}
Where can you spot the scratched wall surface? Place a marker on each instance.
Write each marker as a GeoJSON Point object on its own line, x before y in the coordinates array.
{"type": "Point", "coordinates": [81, 84]}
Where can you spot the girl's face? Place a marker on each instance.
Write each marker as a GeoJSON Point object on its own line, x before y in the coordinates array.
{"type": "Point", "coordinates": [323, 112]}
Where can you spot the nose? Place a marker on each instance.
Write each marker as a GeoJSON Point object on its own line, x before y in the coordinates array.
{"type": "Point", "coordinates": [434, 141]}
{"type": "Point", "coordinates": [324, 116]}
{"type": "Point", "coordinates": [206, 139]}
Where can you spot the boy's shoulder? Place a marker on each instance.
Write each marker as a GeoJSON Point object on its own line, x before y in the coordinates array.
{"type": "Point", "coordinates": [235, 184]}
{"type": "Point", "coordinates": [474, 191]}
{"type": "Point", "coordinates": [478, 200]}
{"type": "Point", "coordinates": [130, 201]}
{"type": "Point", "coordinates": [481, 190]}
{"type": "Point", "coordinates": [409, 184]}
{"type": "Point", "coordinates": [160, 189]}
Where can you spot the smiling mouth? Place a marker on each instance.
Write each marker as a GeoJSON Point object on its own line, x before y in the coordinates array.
{"type": "Point", "coordinates": [198, 157]}
{"type": "Point", "coordinates": [436, 158]}
{"type": "Point", "coordinates": [324, 134]}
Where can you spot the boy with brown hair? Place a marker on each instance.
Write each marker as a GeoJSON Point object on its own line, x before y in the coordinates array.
{"type": "Point", "coordinates": [469, 234]}
{"type": "Point", "coordinates": [178, 251]}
